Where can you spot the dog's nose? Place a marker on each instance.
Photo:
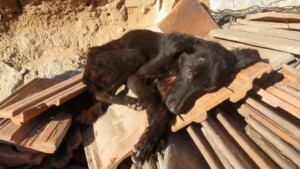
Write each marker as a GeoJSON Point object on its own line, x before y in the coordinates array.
{"type": "Point", "coordinates": [172, 107]}
{"type": "Point", "coordinates": [172, 110]}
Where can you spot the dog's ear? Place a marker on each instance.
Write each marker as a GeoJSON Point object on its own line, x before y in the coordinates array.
{"type": "Point", "coordinates": [245, 57]}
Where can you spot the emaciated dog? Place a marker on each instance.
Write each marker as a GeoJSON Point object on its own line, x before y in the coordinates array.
{"type": "Point", "coordinates": [167, 72]}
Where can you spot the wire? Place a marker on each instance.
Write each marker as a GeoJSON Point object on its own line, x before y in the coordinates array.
{"type": "Point", "coordinates": [226, 14]}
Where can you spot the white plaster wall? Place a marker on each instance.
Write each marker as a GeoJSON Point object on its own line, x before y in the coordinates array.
{"type": "Point", "coordinates": [217, 5]}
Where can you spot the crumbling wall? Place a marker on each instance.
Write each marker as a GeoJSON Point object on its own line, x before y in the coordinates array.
{"type": "Point", "coordinates": [49, 38]}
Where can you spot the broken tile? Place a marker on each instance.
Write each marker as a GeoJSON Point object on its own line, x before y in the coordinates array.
{"type": "Point", "coordinates": [190, 17]}
{"type": "Point", "coordinates": [268, 148]}
{"type": "Point", "coordinates": [275, 58]}
{"type": "Point", "coordinates": [277, 102]}
{"type": "Point", "coordinates": [112, 137]}
{"type": "Point", "coordinates": [235, 91]}
{"type": "Point", "coordinates": [282, 146]}
{"type": "Point", "coordinates": [204, 147]}
{"type": "Point", "coordinates": [41, 99]}
{"type": "Point", "coordinates": [246, 110]}
{"type": "Point", "coordinates": [281, 33]}
{"type": "Point", "coordinates": [265, 41]}
{"type": "Point", "coordinates": [289, 26]}
{"type": "Point", "coordinates": [235, 156]}
{"type": "Point", "coordinates": [235, 130]}
{"type": "Point", "coordinates": [275, 16]}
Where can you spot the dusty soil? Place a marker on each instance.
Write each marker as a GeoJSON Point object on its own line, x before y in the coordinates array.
{"type": "Point", "coordinates": [49, 38]}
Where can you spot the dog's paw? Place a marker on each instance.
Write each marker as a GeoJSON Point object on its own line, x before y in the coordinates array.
{"type": "Point", "coordinates": [136, 104]}
{"type": "Point", "coordinates": [143, 150]}
{"type": "Point", "coordinates": [86, 118]}
{"type": "Point", "coordinates": [91, 115]}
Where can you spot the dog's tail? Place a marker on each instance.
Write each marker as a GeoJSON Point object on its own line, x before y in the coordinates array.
{"type": "Point", "coordinates": [245, 57]}
{"type": "Point", "coordinates": [93, 113]}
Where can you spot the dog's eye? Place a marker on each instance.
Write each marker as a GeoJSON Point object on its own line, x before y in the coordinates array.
{"type": "Point", "coordinates": [189, 72]}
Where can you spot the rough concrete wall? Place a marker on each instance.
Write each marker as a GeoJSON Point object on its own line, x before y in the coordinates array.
{"type": "Point", "coordinates": [217, 5]}
{"type": "Point", "coordinates": [49, 38]}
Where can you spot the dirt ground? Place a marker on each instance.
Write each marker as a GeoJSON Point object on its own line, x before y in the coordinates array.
{"type": "Point", "coordinates": [49, 38]}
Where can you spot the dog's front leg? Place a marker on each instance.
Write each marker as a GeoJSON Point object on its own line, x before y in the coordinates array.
{"type": "Point", "coordinates": [150, 140]}
{"type": "Point", "coordinates": [159, 119]}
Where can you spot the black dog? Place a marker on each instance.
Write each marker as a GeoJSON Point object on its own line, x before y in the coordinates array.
{"type": "Point", "coordinates": [172, 62]}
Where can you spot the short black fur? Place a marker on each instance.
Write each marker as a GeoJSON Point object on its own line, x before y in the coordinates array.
{"type": "Point", "coordinates": [167, 72]}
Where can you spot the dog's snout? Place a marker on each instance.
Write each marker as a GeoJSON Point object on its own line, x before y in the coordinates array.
{"type": "Point", "coordinates": [172, 106]}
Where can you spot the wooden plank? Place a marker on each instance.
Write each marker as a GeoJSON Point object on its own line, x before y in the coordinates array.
{"type": "Point", "coordinates": [265, 41]}
{"type": "Point", "coordinates": [275, 58]}
{"type": "Point", "coordinates": [279, 118]}
{"type": "Point", "coordinates": [251, 149]}
{"type": "Point", "coordinates": [277, 102]}
{"type": "Point", "coordinates": [283, 147]}
{"type": "Point", "coordinates": [289, 26]}
{"type": "Point", "coordinates": [266, 147]}
{"type": "Point", "coordinates": [187, 17]}
{"type": "Point", "coordinates": [226, 164]}
{"type": "Point", "coordinates": [234, 155]}
{"type": "Point", "coordinates": [246, 110]}
{"type": "Point", "coordinates": [291, 73]}
{"type": "Point", "coordinates": [280, 94]}
{"type": "Point", "coordinates": [285, 88]}
{"type": "Point", "coordinates": [292, 84]}
{"type": "Point", "coordinates": [274, 16]}
{"type": "Point", "coordinates": [280, 33]}
{"type": "Point", "coordinates": [204, 147]}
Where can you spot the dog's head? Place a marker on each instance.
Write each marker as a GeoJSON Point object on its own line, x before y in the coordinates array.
{"type": "Point", "coordinates": [209, 67]}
